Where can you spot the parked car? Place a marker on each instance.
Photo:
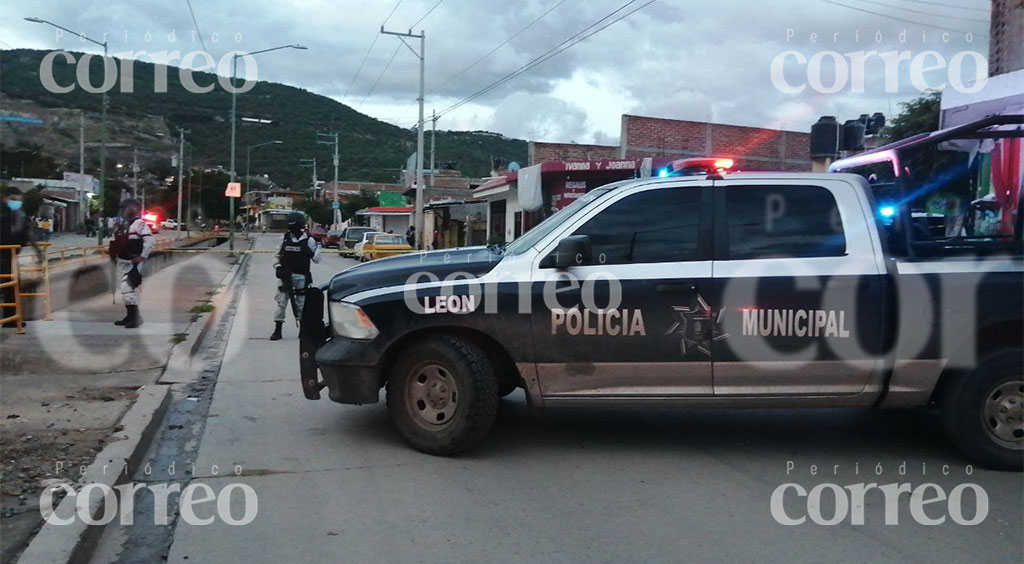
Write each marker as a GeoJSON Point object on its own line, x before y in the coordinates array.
{"type": "Point", "coordinates": [169, 224]}
{"type": "Point", "coordinates": [358, 248]}
{"type": "Point", "coordinates": [318, 234]}
{"type": "Point", "coordinates": [353, 235]}
{"type": "Point", "coordinates": [332, 240]}
{"type": "Point", "coordinates": [383, 245]}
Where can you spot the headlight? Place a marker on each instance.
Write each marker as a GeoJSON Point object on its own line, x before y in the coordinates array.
{"type": "Point", "coordinates": [350, 321]}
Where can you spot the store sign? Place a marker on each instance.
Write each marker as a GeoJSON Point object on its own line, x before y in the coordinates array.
{"type": "Point", "coordinates": [566, 192]}
{"type": "Point", "coordinates": [279, 203]}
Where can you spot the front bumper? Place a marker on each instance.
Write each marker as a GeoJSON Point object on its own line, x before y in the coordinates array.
{"type": "Point", "coordinates": [343, 363]}
{"type": "Point", "coordinates": [350, 368]}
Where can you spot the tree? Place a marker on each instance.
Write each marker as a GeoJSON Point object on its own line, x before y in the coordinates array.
{"type": "Point", "coordinates": [32, 200]}
{"type": "Point", "coordinates": [920, 115]}
{"type": "Point", "coordinates": [317, 210]}
{"type": "Point", "coordinates": [361, 201]}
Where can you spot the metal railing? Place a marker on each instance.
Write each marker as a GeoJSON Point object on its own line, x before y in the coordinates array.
{"type": "Point", "coordinates": [13, 281]}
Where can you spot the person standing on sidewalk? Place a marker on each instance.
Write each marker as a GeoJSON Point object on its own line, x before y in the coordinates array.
{"type": "Point", "coordinates": [15, 229]}
{"type": "Point", "coordinates": [132, 244]}
{"type": "Point", "coordinates": [298, 249]}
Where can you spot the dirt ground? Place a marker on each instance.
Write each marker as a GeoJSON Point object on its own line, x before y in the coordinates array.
{"type": "Point", "coordinates": [47, 441]}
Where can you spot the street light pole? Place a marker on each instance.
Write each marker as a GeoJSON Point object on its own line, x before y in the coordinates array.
{"type": "Point", "coordinates": [248, 159]}
{"type": "Point", "coordinates": [420, 239]}
{"type": "Point", "coordinates": [336, 215]}
{"type": "Point", "coordinates": [181, 169]}
{"type": "Point", "coordinates": [103, 121]}
{"type": "Point", "coordinates": [234, 108]}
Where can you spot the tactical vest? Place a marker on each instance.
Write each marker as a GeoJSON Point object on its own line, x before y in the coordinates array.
{"type": "Point", "coordinates": [296, 254]}
{"type": "Point", "coordinates": [127, 248]}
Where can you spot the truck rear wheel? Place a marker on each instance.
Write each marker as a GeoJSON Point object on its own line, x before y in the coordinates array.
{"type": "Point", "coordinates": [984, 411]}
{"type": "Point", "coordinates": [443, 395]}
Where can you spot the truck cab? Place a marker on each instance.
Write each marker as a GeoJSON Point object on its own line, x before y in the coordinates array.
{"type": "Point", "coordinates": [712, 290]}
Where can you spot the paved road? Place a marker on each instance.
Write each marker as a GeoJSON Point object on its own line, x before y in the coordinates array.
{"type": "Point", "coordinates": [336, 484]}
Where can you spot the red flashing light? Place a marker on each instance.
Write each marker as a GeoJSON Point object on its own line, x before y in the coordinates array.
{"type": "Point", "coordinates": [149, 217]}
{"type": "Point", "coordinates": [701, 165]}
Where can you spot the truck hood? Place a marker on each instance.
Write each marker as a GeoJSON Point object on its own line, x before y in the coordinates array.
{"type": "Point", "coordinates": [398, 270]}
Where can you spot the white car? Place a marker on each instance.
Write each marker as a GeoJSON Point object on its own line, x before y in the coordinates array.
{"type": "Point", "coordinates": [169, 224]}
{"type": "Point", "coordinates": [367, 237]}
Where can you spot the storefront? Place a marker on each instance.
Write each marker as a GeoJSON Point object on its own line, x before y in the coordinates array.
{"type": "Point", "coordinates": [518, 200]}
{"type": "Point", "coordinates": [387, 219]}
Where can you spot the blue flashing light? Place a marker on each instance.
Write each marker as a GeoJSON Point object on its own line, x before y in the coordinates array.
{"type": "Point", "coordinates": [887, 211]}
{"type": "Point", "coordinates": [663, 173]}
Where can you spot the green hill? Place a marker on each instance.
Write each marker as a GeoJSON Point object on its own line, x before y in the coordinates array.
{"type": "Point", "coordinates": [371, 150]}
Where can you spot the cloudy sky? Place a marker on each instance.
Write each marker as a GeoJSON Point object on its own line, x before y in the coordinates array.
{"type": "Point", "coordinates": [668, 58]}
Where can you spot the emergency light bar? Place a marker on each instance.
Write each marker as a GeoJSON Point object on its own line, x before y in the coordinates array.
{"type": "Point", "coordinates": [695, 166]}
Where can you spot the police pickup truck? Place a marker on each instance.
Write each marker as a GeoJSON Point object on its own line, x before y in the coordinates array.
{"type": "Point", "coordinates": [746, 290]}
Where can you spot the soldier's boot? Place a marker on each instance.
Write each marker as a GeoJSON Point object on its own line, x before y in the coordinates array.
{"type": "Point", "coordinates": [134, 318]}
{"type": "Point", "coordinates": [276, 335]}
{"type": "Point", "coordinates": [127, 314]}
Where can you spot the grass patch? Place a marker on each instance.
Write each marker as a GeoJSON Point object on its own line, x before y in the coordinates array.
{"type": "Point", "coordinates": [178, 338]}
{"type": "Point", "coordinates": [201, 308]}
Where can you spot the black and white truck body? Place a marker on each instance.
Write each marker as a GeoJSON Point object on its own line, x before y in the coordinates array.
{"type": "Point", "coordinates": [746, 290]}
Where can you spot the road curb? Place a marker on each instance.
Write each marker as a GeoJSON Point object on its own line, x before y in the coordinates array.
{"type": "Point", "coordinates": [179, 364]}
{"type": "Point", "coordinates": [74, 542]}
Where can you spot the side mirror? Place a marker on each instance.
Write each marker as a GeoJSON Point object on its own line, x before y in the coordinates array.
{"type": "Point", "coordinates": [573, 250]}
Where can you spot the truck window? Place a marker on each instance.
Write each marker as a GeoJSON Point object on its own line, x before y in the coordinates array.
{"type": "Point", "coordinates": [965, 196]}
{"type": "Point", "coordinates": [658, 225]}
{"type": "Point", "coordinates": [782, 221]}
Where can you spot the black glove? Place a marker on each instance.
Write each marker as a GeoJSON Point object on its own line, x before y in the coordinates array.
{"type": "Point", "coordinates": [282, 273]}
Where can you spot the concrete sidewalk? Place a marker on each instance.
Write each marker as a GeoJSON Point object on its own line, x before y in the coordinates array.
{"type": "Point", "coordinates": [66, 382]}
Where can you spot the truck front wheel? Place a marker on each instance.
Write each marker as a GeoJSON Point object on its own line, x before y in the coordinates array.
{"type": "Point", "coordinates": [443, 395]}
{"type": "Point", "coordinates": [984, 411]}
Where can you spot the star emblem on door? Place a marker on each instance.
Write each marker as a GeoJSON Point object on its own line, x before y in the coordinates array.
{"type": "Point", "coordinates": [697, 327]}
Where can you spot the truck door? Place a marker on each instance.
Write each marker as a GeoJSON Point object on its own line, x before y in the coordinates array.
{"type": "Point", "coordinates": [799, 286]}
{"type": "Point", "coordinates": [629, 321]}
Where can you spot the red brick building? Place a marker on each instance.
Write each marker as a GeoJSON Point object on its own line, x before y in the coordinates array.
{"type": "Point", "coordinates": [752, 148]}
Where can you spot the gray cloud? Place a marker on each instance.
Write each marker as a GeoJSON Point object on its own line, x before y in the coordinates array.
{"type": "Point", "coordinates": [674, 59]}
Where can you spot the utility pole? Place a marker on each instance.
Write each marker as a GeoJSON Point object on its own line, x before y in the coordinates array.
{"type": "Point", "coordinates": [188, 213]}
{"type": "Point", "coordinates": [310, 163]}
{"type": "Point", "coordinates": [421, 234]}
{"type": "Point", "coordinates": [83, 201]}
{"type": "Point", "coordinates": [181, 168]}
{"type": "Point", "coordinates": [135, 177]}
{"type": "Point", "coordinates": [433, 133]}
{"type": "Point", "coordinates": [336, 215]}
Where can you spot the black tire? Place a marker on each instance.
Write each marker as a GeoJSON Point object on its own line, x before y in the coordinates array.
{"type": "Point", "coordinates": [458, 380]}
{"type": "Point", "coordinates": [982, 411]}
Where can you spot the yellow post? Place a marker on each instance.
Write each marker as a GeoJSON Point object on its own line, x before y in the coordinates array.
{"type": "Point", "coordinates": [11, 281]}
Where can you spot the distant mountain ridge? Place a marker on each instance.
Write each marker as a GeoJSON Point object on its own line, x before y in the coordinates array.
{"type": "Point", "coordinates": [370, 150]}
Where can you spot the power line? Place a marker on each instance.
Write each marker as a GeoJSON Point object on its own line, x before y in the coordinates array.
{"type": "Point", "coordinates": [196, 24]}
{"type": "Point", "coordinates": [381, 75]}
{"type": "Point", "coordinates": [397, 48]}
{"type": "Point", "coordinates": [923, 12]}
{"type": "Point", "coordinates": [951, 6]}
{"type": "Point", "coordinates": [376, 36]}
{"type": "Point", "coordinates": [432, 8]}
{"type": "Point", "coordinates": [942, 28]}
{"type": "Point", "coordinates": [554, 51]}
{"type": "Point", "coordinates": [500, 45]}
